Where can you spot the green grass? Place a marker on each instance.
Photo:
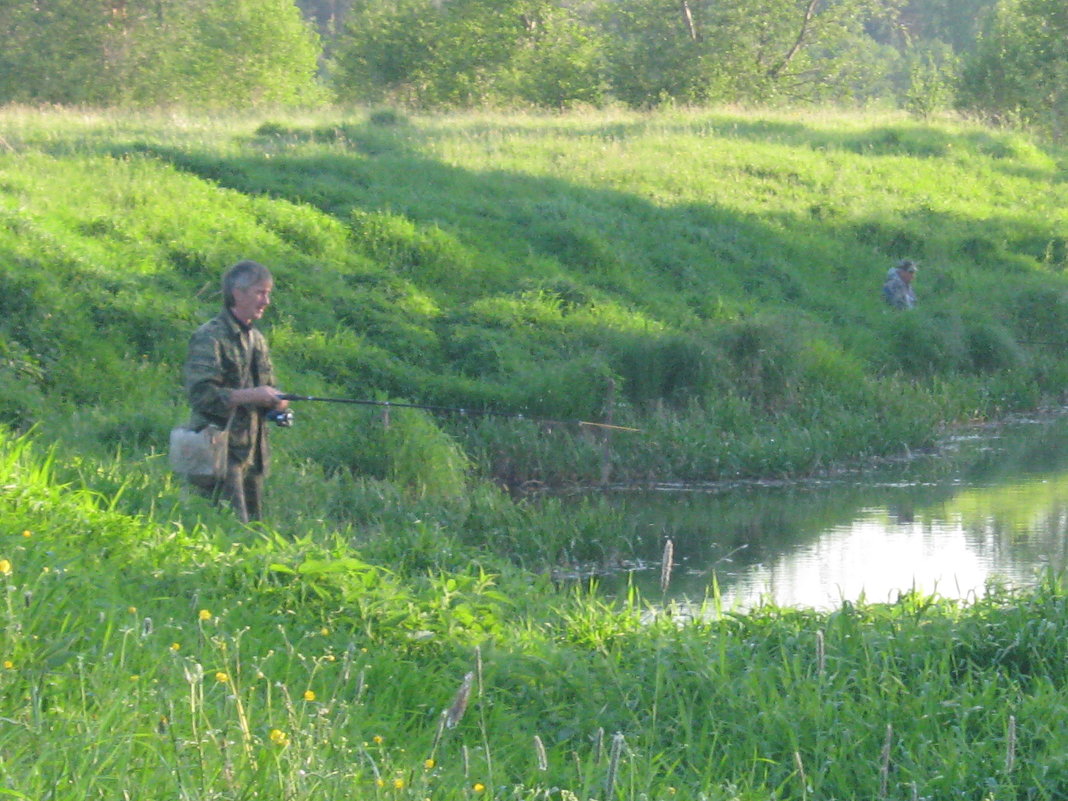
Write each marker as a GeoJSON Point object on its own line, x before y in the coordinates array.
{"type": "Point", "coordinates": [710, 277]}
{"type": "Point", "coordinates": [720, 270]}
{"type": "Point", "coordinates": [142, 658]}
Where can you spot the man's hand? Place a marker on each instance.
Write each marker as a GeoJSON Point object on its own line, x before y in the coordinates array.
{"type": "Point", "coordinates": [263, 396]}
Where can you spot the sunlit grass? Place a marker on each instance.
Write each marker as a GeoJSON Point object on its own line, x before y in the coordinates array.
{"type": "Point", "coordinates": [709, 277]}
{"type": "Point", "coordinates": [159, 662]}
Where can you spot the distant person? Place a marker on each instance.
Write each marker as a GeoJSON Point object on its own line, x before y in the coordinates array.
{"type": "Point", "coordinates": [230, 382]}
{"type": "Point", "coordinates": [898, 291]}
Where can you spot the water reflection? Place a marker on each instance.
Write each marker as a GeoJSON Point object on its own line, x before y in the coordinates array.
{"type": "Point", "coordinates": [991, 507]}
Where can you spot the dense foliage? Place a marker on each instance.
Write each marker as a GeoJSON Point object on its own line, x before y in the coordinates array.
{"type": "Point", "coordinates": [1020, 69]}
{"type": "Point", "coordinates": [1002, 60]}
{"type": "Point", "coordinates": [143, 52]}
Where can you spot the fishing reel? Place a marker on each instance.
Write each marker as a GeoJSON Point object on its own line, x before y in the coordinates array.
{"type": "Point", "coordinates": [280, 417]}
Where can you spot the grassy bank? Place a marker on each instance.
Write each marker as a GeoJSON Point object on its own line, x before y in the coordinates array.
{"type": "Point", "coordinates": [144, 659]}
{"type": "Point", "coordinates": [709, 277]}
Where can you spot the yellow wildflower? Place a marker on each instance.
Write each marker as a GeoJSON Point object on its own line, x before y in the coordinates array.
{"type": "Point", "coordinates": [398, 784]}
{"type": "Point", "coordinates": [222, 677]}
{"type": "Point", "coordinates": [8, 664]}
{"type": "Point", "coordinates": [479, 787]}
{"type": "Point", "coordinates": [27, 533]}
{"type": "Point", "coordinates": [205, 614]}
{"type": "Point", "coordinates": [175, 646]}
{"type": "Point", "coordinates": [279, 737]}
{"type": "Point", "coordinates": [309, 695]}
{"type": "Point", "coordinates": [324, 631]}
{"type": "Point", "coordinates": [429, 764]}
{"type": "Point", "coordinates": [378, 739]}
{"type": "Point", "coordinates": [132, 610]}
{"type": "Point", "coordinates": [5, 567]}
{"type": "Point", "coordinates": [380, 782]}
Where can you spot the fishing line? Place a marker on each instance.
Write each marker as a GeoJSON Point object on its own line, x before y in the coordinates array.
{"type": "Point", "coordinates": [458, 410]}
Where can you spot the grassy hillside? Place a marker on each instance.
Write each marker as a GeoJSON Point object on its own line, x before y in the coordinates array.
{"type": "Point", "coordinates": [720, 270]}
{"type": "Point", "coordinates": [709, 277]}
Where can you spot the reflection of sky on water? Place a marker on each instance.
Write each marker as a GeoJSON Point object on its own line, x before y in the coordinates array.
{"type": "Point", "coordinates": [949, 526]}
{"type": "Point", "coordinates": [876, 559]}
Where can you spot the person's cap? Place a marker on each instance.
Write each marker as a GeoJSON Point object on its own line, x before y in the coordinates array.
{"type": "Point", "coordinates": [907, 264]}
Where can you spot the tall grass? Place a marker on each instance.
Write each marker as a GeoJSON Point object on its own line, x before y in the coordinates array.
{"type": "Point", "coordinates": [142, 659]}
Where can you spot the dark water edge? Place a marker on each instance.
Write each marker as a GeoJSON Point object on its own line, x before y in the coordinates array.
{"type": "Point", "coordinates": [988, 506]}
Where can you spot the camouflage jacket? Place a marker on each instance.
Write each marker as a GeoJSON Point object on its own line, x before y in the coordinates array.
{"type": "Point", "coordinates": [224, 356]}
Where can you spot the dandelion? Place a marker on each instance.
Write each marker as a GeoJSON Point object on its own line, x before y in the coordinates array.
{"type": "Point", "coordinates": [398, 784]}
{"type": "Point", "coordinates": [204, 614]}
{"type": "Point", "coordinates": [324, 631]}
{"type": "Point", "coordinates": [222, 677]}
{"type": "Point", "coordinates": [479, 787]}
{"type": "Point", "coordinates": [309, 695]}
{"type": "Point", "coordinates": [8, 664]}
{"type": "Point", "coordinates": [132, 610]}
{"type": "Point", "coordinates": [429, 764]}
{"type": "Point", "coordinates": [176, 646]}
{"type": "Point", "coordinates": [134, 677]}
{"type": "Point", "coordinates": [27, 533]}
{"type": "Point", "coordinates": [5, 567]}
{"type": "Point", "coordinates": [279, 737]}
{"type": "Point", "coordinates": [380, 782]}
{"type": "Point", "coordinates": [377, 739]}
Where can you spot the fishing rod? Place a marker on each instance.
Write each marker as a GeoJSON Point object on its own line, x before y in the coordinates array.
{"type": "Point", "coordinates": [457, 410]}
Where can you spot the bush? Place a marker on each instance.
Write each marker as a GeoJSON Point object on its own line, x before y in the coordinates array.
{"type": "Point", "coordinates": [922, 344]}
{"type": "Point", "coordinates": [762, 360]}
{"type": "Point", "coordinates": [991, 347]}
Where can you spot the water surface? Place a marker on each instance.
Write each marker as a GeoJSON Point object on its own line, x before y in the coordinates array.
{"type": "Point", "coordinates": [991, 506]}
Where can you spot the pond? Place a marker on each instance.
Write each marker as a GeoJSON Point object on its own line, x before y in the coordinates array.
{"type": "Point", "coordinates": [989, 507]}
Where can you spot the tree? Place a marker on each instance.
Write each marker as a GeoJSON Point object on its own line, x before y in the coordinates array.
{"type": "Point", "coordinates": [738, 50]}
{"type": "Point", "coordinates": [1020, 68]}
{"type": "Point", "coordinates": [227, 53]}
{"type": "Point", "coordinates": [197, 52]}
{"type": "Point", "coordinates": [57, 51]}
{"type": "Point", "coordinates": [466, 52]}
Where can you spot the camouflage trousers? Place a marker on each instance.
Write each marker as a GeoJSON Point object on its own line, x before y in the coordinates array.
{"type": "Point", "coordinates": [242, 489]}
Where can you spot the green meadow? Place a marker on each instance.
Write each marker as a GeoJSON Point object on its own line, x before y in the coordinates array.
{"type": "Point", "coordinates": [708, 277]}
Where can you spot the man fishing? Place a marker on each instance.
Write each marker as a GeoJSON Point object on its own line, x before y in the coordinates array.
{"type": "Point", "coordinates": [230, 382]}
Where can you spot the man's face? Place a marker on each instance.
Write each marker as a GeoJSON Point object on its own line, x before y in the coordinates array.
{"type": "Point", "coordinates": [249, 304]}
{"type": "Point", "coordinates": [906, 275]}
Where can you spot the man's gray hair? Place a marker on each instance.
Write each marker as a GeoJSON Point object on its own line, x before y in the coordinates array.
{"type": "Point", "coordinates": [243, 275]}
